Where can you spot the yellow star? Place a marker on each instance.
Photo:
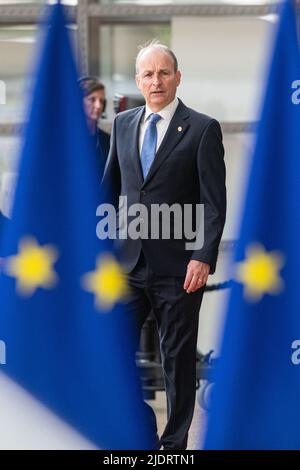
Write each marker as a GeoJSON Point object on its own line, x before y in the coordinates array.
{"type": "Point", "coordinates": [107, 282]}
{"type": "Point", "coordinates": [260, 272]}
{"type": "Point", "coordinates": [32, 266]}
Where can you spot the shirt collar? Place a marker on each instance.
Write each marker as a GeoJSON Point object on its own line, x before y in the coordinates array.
{"type": "Point", "coordinates": [166, 113]}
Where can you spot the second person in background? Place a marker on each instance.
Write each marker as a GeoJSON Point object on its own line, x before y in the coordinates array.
{"type": "Point", "coordinates": [94, 105]}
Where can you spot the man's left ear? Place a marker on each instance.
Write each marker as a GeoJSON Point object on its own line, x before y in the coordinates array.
{"type": "Point", "coordinates": [137, 81]}
{"type": "Point", "coordinates": [178, 77]}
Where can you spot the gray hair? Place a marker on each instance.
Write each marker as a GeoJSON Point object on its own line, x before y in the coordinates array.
{"type": "Point", "coordinates": [155, 45]}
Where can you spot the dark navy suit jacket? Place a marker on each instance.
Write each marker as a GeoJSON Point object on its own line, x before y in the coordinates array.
{"type": "Point", "coordinates": [102, 148]}
{"type": "Point", "coordinates": [188, 169]}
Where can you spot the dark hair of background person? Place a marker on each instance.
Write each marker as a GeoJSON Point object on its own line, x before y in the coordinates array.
{"type": "Point", "coordinates": [90, 84]}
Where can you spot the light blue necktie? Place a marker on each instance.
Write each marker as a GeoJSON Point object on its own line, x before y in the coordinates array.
{"type": "Point", "coordinates": [149, 144]}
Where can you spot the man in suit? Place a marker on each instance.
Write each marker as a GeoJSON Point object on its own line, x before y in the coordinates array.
{"type": "Point", "coordinates": [167, 153]}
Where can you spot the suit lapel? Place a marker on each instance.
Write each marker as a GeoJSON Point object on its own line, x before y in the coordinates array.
{"type": "Point", "coordinates": [176, 130]}
{"type": "Point", "coordinates": [134, 130]}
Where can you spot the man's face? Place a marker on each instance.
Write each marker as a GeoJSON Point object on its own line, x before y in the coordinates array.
{"type": "Point", "coordinates": [156, 79]}
{"type": "Point", "coordinates": [94, 104]}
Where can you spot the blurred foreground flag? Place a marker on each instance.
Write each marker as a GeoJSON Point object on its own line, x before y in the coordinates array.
{"type": "Point", "coordinates": [65, 333]}
{"type": "Point", "coordinates": [256, 400]}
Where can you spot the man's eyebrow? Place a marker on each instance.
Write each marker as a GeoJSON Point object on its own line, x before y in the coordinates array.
{"type": "Point", "coordinates": [160, 70]}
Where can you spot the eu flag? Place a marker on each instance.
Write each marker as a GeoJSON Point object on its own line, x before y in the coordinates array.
{"type": "Point", "coordinates": [66, 334]}
{"type": "Point", "coordinates": [255, 403]}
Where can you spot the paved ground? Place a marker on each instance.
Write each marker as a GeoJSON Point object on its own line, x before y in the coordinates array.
{"type": "Point", "coordinates": [198, 424]}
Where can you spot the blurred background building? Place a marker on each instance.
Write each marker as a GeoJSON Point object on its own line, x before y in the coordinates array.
{"type": "Point", "coordinates": [222, 49]}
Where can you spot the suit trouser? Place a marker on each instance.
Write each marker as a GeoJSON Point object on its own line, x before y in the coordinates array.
{"type": "Point", "coordinates": [177, 315]}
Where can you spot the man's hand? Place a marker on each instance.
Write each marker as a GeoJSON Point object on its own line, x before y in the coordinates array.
{"type": "Point", "coordinates": [196, 276]}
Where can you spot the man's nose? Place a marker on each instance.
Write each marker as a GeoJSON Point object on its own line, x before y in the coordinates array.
{"type": "Point", "coordinates": [156, 79]}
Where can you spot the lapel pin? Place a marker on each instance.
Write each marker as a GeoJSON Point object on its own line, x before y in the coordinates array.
{"type": "Point", "coordinates": [179, 129]}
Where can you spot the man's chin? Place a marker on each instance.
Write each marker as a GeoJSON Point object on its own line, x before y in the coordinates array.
{"type": "Point", "coordinates": [159, 100]}
{"type": "Point", "coordinates": [158, 96]}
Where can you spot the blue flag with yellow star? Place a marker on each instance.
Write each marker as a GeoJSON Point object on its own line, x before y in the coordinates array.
{"type": "Point", "coordinates": [255, 402]}
{"type": "Point", "coordinates": [67, 338]}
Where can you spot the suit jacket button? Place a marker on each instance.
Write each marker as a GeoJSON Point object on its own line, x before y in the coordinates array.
{"type": "Point", "coordinates": [143, 193]}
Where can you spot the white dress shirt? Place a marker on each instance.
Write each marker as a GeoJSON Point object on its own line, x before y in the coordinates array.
{"type": "Point", "coordinates": [166, 115]}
